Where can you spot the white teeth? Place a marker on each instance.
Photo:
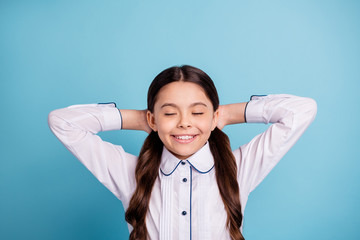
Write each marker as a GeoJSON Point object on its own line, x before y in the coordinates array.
{"type": "Point", "coordinates": [184, 137]}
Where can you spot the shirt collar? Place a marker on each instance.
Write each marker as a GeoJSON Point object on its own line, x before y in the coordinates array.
{"type": "Point", "coordinates": [202, 161]}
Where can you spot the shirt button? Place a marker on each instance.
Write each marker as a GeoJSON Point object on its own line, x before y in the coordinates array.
{"type": "Point", "coordinates": [183, 213]}
{"type": "Point", "coordinates": [184, 180]}
{"type": "Point", "coordinates": [183, 162]}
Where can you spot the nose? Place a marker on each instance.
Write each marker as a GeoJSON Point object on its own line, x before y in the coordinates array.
{"type": "Point", "coordinates": [184, 121]}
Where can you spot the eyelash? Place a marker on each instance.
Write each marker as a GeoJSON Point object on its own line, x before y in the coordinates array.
{"type": "Point", "coordinates": [171, 114]}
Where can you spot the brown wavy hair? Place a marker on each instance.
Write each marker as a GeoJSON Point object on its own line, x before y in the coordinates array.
{"type": "Point", "coordinates": [148, 164]}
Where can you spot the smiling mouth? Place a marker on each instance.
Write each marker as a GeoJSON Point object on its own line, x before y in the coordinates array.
{"type": "Point", "coordinates": [184, 138]}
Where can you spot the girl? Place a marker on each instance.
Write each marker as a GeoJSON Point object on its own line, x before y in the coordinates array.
{"type": "Point", "coordinates": [186, 182]}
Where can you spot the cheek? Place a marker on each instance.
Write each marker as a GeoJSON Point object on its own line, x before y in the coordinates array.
{"type": "Point", "coordinates": [164, 130]}
{"type": "Point", "coordinates": [205, 126]}
{"type": "Point", "coordinates": [165, 126]}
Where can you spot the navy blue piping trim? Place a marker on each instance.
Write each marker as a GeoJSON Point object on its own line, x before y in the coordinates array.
{"type": "Point", "coordinates": [108, 103]}
{"type": "Point", "coordinates": [248, 103]}
{"type": "Point", "coordinates": [171, 171]}
{"type": "Point", "coordinates": [245, 111]}
{"type": "Point", "coordinates": [190, 198]}
{"type": "Point", "coordinates": [199, 170]}
{"type": "Point", "coordinates": [121, 118]}
{"type": "Point", "coordinates": [257, 96]}
{"type": "Point", "coordinates": [117, 109]}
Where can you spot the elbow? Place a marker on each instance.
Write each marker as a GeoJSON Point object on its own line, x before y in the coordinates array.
{"type": "Point", "coordinates": [51, 118]}
{"type": "Point", "coordinates": [310, 108]}
{"type": "Point", "coordinates": [313, 107]}
{"type": "Point", "coordinates": [54, 121]}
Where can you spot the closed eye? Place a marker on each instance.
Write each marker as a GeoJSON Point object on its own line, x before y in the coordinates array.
{"type": "Point", "coordinates": [169, 114]}
{"type": "Point", "coordinates": [198, 113]}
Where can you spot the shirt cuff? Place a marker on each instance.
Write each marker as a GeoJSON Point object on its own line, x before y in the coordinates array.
{"type": "Point", "coordinates": [255, 109]}
{"type": "Point", "coordinates": [111, 116]}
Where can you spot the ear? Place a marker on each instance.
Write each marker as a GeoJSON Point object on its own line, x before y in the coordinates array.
{"type": "Point", "coordinates": [215, 120]}
{"type": "Point", "coordinates": [151, 120]}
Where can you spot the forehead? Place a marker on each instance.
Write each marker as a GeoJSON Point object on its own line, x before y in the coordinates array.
{"type": "Point", "coordinates": [182, 93]}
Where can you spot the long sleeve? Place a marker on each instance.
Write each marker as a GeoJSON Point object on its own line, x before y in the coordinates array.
{"type": "Point", "coordinates": [76, 127]}
{"type": "Point", "coordinates": [290, 116]}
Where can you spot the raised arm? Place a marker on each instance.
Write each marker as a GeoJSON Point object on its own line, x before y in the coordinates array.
{"type": "Point", "coordinates": [231, 114]}
{"type": "Point", "coordinates": [77, 127]}
{"type": "Point", "coordinates": [289, 116]}
{"type": "Point", "coordinates": [135, 120]}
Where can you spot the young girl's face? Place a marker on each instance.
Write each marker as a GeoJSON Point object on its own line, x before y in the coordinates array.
{"type": "Point", "coordinates": [184, 117]}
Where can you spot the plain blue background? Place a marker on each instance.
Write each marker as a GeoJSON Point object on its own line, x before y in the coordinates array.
{"type": "Point", "coordinates": [58, 53]}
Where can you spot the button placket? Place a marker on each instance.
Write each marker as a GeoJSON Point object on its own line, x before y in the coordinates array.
{"type": "Point", "coordinates": [184, 173]}
{"type": "Point", "coordinates": [184, 200]}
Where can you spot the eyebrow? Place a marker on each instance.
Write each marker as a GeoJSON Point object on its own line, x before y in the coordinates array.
{"type": "Point", "coordinates": [174, 105]}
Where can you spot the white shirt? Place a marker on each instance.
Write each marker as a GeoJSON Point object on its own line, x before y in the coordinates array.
{"type": "Point", "coordinates": [185, 201]}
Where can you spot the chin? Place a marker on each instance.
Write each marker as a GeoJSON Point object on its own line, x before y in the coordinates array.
{"type": "Point", "coordinates": [184, 154]}
{"type": "Point", "coordinates": [183, 151]}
